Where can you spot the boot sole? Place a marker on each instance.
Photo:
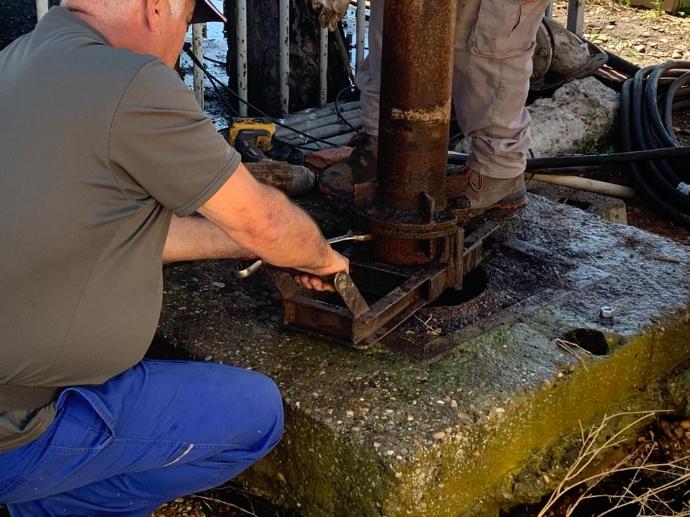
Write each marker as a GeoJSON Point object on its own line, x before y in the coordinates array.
{"type": "Point", "coordinates": [503, 208]}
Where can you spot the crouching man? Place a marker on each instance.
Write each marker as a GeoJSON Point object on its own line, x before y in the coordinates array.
{"type": "Point", "coordinates": [105, 155]}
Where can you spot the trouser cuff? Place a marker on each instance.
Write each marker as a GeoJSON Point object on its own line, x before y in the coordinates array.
{"type": "Point", "coordinates": [493, 170]}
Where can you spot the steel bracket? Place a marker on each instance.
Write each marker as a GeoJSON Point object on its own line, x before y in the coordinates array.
{"type": "Point", "coordinates": [374, 299]}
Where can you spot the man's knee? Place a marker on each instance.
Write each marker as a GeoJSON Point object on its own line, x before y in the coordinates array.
{"type": "Point", "coordinates": [264, 418]}
{"type": "Point", "coordinates": [269, 414]}
{"type": "Point", "coordinates": [238, 408]}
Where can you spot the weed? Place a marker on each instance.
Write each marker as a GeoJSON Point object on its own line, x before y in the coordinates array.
{"type": "Point", "coordinates": [596, 443]}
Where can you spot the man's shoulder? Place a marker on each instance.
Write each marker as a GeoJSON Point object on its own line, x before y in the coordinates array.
{"type": "Point", "coordinates": [158, 86]}
{"type": "Point", "coordinates": [65, 42]}
{"type": "Point", "coordinates": [153, 74]}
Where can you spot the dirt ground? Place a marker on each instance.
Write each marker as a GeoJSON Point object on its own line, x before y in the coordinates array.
{"type": "Point", "coordinates": [642, 36]}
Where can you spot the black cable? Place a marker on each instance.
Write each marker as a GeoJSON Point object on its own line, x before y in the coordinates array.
{"type": "Point", "coordinates": [352, 89]}
{"type": "Point", "coordinates": [223, 63]}
{"type": "Point", "coordinates": [228, 107]}
{"type": "Point", "coordinates": [212, 78]}
{"type": "Point", "coordinates": [621, 65]}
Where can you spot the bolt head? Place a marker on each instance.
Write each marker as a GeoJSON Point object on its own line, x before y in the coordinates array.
{"type": "Point", "coordinates": [607, 312]}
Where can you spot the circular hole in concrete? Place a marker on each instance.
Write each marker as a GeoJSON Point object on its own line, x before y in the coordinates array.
{"type": "Point", "coordinates": [473, 284]}
{"type": "Point", "coordinates": [591, 340]}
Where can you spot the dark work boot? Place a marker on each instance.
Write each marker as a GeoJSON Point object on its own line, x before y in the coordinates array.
{"type": "Point", "coordinates": [360, 167]}
{"type": "Point", "coordinates": [486, 194]}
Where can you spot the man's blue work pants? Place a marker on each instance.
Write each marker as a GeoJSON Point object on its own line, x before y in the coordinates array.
{"type": "Point", "coordinates": [160, 430]}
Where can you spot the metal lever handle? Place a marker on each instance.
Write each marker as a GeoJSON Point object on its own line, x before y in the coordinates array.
{"type": "Point", "coordinates": [256, 266]}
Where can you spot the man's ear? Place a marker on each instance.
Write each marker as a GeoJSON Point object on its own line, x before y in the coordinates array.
{"type": "Point", "coordinates": [153, 11]}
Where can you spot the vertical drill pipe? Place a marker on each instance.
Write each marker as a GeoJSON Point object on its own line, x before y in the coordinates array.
{"type": "Point", "coordinates": [323, 67]}
{"type": "Point", "coordinates": [284, 46]}
{"type": "Point", "coordinates": [361, 31]}
{"type": "Point", "coordinates": [242, 85]}
{"type": "Point", "coordinates": [416, 79]}
{"type": "Point", "coordinates": [198, 49]}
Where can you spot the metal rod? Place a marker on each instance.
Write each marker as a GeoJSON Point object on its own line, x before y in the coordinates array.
{"type": "Point", "coordinates": [576, 16]}
{"type": "Point", "coordinates": [284, 50]}
{"type": "Point", "coordinates": [41, 9]}
{"type": "Point", "coordinates": [329, 130]}
{"type": "Point", "coordinates": [416, 78]}
{"type": "Point", "coordinates": [344, 54]}
{"type": "Point", "coordinates": [588, 184]}
{"type": "Point", "coordinates": [316, 113]}
{"type": "Point", "coordinates": [255, 266]}
{"type": "Point", "coordinates": [242, 83]}
{"type": "Point", "coordinates": [198, 49]}
{"type": "Point", "coordinates": [361, 32]}
{"type": "Point", "coordinates": [334, 141]}
{"type": "Point", "coordinates": [323, 67]}
{"type": "Point", "coordinates": [311, 125]}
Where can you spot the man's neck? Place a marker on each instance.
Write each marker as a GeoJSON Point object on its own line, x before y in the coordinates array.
{"type": "Point", "coordinates": [88, 18]}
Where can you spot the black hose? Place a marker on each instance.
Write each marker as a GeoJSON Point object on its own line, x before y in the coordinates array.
{"type": "Point", "coordinates": [621, 65]}
{"type": "Point", "coordinates": [647, 103]}
{"type": "Point", "coordinates": [592, 160]}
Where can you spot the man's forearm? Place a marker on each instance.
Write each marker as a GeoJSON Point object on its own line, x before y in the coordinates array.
{"type": "Point", "coordinates": [261, 219]}
{"type": "Point", "coordinates": [284, 234]}
{"type": "Point", "coordinates": [196, 238]}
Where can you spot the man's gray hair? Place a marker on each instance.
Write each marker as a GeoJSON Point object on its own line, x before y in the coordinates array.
{"type": "Point", "coordinates": [116, 8]}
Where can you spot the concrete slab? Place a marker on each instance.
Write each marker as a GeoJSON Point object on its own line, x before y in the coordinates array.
{"type": "Point", "coordinates": [464, 409]}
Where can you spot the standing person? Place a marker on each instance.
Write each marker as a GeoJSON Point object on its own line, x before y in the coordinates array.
{"type": "Point", "coordinates": [106, 154]}
{"type": "Point", "coordinates": [494, 43]}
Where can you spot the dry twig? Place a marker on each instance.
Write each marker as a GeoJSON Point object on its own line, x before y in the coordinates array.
{"type": "Point", "coordinates": [224, 503]}
{"type": "Point", "coordinates": [591, 450]}
{"type": "Point", "coordinates": [575, 350]}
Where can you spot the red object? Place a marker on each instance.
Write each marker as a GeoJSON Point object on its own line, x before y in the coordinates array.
{"type": "Point", "coordinates": [319, 161]}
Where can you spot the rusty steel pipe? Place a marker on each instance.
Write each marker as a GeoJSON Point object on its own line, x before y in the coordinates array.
{"type": "Point", "coordinates": [416, 80]}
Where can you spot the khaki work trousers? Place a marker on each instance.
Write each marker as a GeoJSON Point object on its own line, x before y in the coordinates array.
{"type": "Point", "coordinates": [494, 43]}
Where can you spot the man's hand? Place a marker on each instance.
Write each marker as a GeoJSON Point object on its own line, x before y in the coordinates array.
{"type": "Point", "coordinates": [332, 11]}
{"type": "Point", "coordinates": [316, 279]}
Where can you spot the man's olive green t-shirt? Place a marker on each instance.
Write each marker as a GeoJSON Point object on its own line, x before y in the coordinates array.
{"type": "Point", "coordinates": [99, 147]}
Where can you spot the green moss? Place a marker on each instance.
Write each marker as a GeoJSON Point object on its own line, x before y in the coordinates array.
{"type": "Point", "coordinates": [501, 463]}
{"type": "Point", "coordinates": [342, 478]}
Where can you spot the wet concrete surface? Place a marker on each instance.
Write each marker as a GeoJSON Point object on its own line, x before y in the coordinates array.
{"type": "Point", "coordinates": [465, 408]}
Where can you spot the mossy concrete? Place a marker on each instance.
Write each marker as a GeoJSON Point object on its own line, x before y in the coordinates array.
{"type": "Point", "coordinates": [489, 423]}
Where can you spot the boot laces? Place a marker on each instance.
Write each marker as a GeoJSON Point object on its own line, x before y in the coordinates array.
{"type": "Point", "coordinates": [474, 179]}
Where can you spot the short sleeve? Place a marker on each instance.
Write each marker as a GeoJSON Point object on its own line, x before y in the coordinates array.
{"type": "Point", "coordinates": [161, 145]}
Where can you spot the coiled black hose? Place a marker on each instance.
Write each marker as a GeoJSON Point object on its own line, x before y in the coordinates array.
{"type": "Point", "coordinates": [648, 101]}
